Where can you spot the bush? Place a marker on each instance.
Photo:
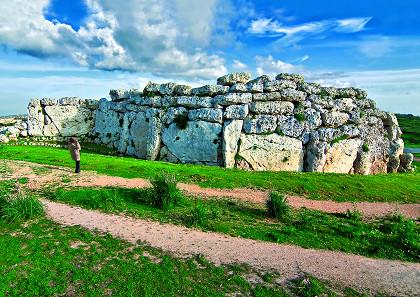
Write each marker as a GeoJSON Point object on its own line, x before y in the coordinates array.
{"type": "Point", "coordinates": [197, 216]}
{"type": "Point", "coordinates": [19, 208]}
{"type": "Point", "coordinates": [165, 194]}
{"type": "Point", "coordinates": [277, 206]}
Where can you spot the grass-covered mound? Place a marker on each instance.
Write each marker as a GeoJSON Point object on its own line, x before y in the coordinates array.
{"type": "Point", "coordinates": [410, 126]}
{"type": "Point", "coordinates": [403, 188]}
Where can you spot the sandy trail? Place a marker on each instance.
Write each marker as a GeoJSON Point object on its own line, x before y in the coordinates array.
{"type": "Point", "coordinates": [392, 277]}
{"type": "Point", "coordinates": [54, 177]}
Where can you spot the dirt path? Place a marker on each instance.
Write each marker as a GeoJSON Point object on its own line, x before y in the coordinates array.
{"type": "Point", "coordinates": [54, 175]}
{"type": "Point", "coordinates": [392, 277]}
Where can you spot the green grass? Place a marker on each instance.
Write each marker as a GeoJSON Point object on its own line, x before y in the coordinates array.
{"type": "Point", "coordinates": [392, 238]}
{"type": "Point", "coordinates": [339, 187]}
{"type": "Point", "coordinates": [410, 126]}
{"type": "Point", "coordinates": [41, 258]}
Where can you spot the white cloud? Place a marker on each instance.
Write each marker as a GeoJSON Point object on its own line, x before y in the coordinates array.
{"type": "Point", "coordinates": [163, 36]}
{"type": "Point", "coordinates": [238, 65]}
{"type": "Point", "coordinates": [289, 35]}
{"type": "Point", "coordinates": [352, 25]}
{"type": "Point", "coordinates": [268, 65]}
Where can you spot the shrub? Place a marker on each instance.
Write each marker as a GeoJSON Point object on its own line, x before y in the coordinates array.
{"type": "Point", "coordinates": [365, 147]}
{"type": "Point", "coordinates": [197, 216]}
{"type": "Point", "coordinates": [19, 208]}
{"type": "Point", "coordinates": [181, 120]}
{"type": "Point", "coordinates": [165, 193]}
{"type": "Point", "coordinates": [277, 206]}
{"type": "Point", "coordinates": [354, 215]}
{"type": "Point", "coordinates": [300, 117]}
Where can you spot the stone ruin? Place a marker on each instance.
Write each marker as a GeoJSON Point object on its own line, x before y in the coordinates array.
{"type": "Point", "coordinates": [285, 124]}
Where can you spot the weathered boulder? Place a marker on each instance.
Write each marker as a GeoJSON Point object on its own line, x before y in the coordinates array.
{"type": "Point", "coordinates": [198, 143]}
{"type": "Point", "coordinates": [233, 78]}
{"type": "Point", "coordinates": [238, 88]}
{"type": "Point", "coordinates": [172, 113]}
{"type": "Point", "coordinates": [260, 124]}
{"type": "Point", "coordinates": [119, 95]}
{"type": "Point", "coordinates": [231, 134]}
{"type": "Point", "coordinates": [406, 160]}
{"type": "Point", "coordinates": [68, 120]}
{"type": "Point", "coordinates": [316, 155]}
{"type": "Point", "coordinates": [396, 149]}
{"type": "Point", "coordinates": [272, 152]}
{"type": "Point", "coordinates": [145, 133]}
{"type": "Point", "coordinates": [310, 88]}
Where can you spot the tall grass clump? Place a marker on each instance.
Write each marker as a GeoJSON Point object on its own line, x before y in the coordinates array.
{"type": "Point", "coordinates": [165, 194]}
{"type": "Point", "coordinates": [277, 206]}
{"type": "Point", "coordinates": [19, 207]}
{"type": "Point", "coordinates": [197, 216]}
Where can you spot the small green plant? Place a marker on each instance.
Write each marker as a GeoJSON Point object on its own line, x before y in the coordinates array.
{"type": "Point", "coordinates": [300, 117]}
{"type": "Point", "coordinates": [354, 215]}
{"type": "Point", "coordinates": [165, 194]}
{"type": "Point", "coordinates": [23, 180]}
{"type": "Point", "coordinates": [19, 207]}
{"type": "Point", "coordinates": [197, 216]}
{"type": "Point", "coordinates": [181, 120]}
{"type": "Point", "coordinates": [309, 286]}
{"type": "Point", "coordinates": [365, 147]}
{"type": "Point", "coordinates": [286, 159]}
{"type": "Point", "coordinates": [277, 206]}
{"type": "Point", "coordinates": [338, 139]}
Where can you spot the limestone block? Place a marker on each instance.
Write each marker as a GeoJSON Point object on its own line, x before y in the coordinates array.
{"type": "Point", "coordinates": [183, 90]}
{"type": "Point", "coordinates": [233, 78]}
{"type": "Point", "coordinates": [297, 78]}
{"type": "Point", "coordinates": [289, 126]}
{"type": "Point", "coordinates": [341, 156]}
{"type": "Point", "coordinates": [344, 104]}
{"type": "Point", "coordinates": [271, 152]}
{"type": "Point", "coordinates": [313, 118]}
{"type": "Point", "coordinates": [272, 107]}
{"type": "Point", "coordinates": [206, 114]}
{"type": "Point", "coordinates": [237, 112]}
{"type": "Point", "coordinates": [70, 120]}
{"type": "Point", "coordinates": [69, 101]}
{"type": "Point", "coordinates": [48, 102]}
{"type": "Point", "coordinates": [199, 142]}
{"type": "Point", "coordinates": [260, 124]}
{"type": "Point", "coordinates": [119, 95]}
{"type": "Point", "coordinates": [255, 88]}
{"type": "Point", "coordinates": [195, 102]}
{"type": "Point", "coordinates": [292, 95]}
{"type": "Point", "coordinates": [238, 88]}
{"type": "Point", "coordinates": [146, 135]}
{"type": "Point", "coordinates": [210, 90]}
{"type": "Point", "coordinates": [233, 98]}
{"type": "Point", "coordinates": [396, 149]}
{"type": "Point", "coordinates": [173, 112]}
{"type": "Point", "coordinates": [261, 80]}
{"type": "Point", "coordinates": [277, 85]}
{"type": "Point", "coordinates": [334, 119]}
{"type": "Point", "coordinates": [231, 134]}
{"type": "Point", "coordinates": [310, 88]}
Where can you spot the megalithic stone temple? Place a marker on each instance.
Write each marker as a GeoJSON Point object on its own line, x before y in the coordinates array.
{"type": "Point", "coordinates": [285, 124]}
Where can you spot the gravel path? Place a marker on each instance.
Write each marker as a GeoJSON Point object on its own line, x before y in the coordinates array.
{"type": "Point", "coordinates": [392, 277]}
{"type": "Point", "coordinates": [55, 174]}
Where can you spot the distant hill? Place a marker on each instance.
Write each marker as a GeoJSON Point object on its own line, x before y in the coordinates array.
{"type": "Point", "coordinates": [410, 126]}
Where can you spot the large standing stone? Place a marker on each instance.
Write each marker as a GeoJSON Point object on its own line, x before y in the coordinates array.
{"type": "Point", "coordinates": [35, 118]}
{"type": "Point", "coordinates": [146, 135]}
{"type": "Point", "coordinates": [396, 149]}
{"type": "Point", "coordinates": [199, 142]}
{"type": "Point", "coordinates": [69, 120]}
{"type": "Point", "coordinates": [271, 152]}
{"type": "Point", "coordinates": [231, 134]}
{"type": "Point", "coordinates": [316, 155]}
{"type": "Point", "coordinates": [341, 156]}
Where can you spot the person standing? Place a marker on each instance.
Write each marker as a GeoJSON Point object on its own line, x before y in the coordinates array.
{"type": "Point", "coordinates": [74, 148]}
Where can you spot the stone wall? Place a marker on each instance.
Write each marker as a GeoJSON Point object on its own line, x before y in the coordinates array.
{"type": "Point", "coordinates": [260, 124]}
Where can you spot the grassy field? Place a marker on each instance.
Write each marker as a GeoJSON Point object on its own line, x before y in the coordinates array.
{"type": "Point", "coordinates": [391, 238]}
{"type": "Point", "coordinates": [339, 187]}
{"type": "Point", "coordinates": [41, 258]}
{"type": "Point", "coordinates": [410, 126]}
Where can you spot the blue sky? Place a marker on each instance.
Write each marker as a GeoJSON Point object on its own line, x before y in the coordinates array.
{"type": "Point", "coordinates": [53, 48]}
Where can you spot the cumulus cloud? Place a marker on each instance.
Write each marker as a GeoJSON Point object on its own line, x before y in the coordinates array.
{"type": "Point", "coordinates": [289, 35]}
{"type": "Point", "coordinates": [238, 65]}
{"type": "Point", "coordinates": [162, 37]}
{"type": "Point", "coordinates": [268, 65]}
